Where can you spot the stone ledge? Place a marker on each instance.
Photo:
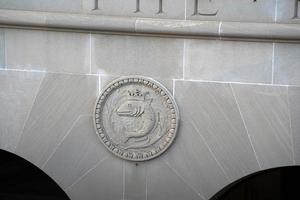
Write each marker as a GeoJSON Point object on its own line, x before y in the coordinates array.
{"type": "Point", "coordinates": [179, 28]}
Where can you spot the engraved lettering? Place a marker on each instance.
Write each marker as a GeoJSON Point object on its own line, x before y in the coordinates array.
{"type": "Point", "coordinates": [296, 9]}
{"type": "Point", "coordinates": [160, 7]}
{"type": "Point", "coordinates": [137, 9]}
{"type": "Point", "coordinates": [96, 5]}
{"type": "Point", "coordinates": [196, 11]}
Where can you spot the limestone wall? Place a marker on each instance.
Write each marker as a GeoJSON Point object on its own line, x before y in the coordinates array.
{"type": "Point", "coordinates": [232, 67]}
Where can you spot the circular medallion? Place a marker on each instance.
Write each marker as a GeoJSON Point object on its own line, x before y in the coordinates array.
{"type": "Point", "coordinates": [136, 118]}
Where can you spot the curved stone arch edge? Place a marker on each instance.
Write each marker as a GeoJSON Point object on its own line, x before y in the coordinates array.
{"type": "Point", "coordinates": [36, 167]}
{"type": "Point", "coordinates": [215, 196]}
{"type": "Point", "coordinates": [235, 183]}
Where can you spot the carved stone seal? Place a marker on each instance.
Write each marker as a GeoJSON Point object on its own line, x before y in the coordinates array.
{"type": "Point", "coordinates": [136, 118]}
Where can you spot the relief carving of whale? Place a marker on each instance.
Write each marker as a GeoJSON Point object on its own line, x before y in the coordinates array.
{"type": "Point", "coordinates": [138, 106]}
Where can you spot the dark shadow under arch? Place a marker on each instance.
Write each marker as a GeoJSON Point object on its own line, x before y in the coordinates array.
{"type": "Point", "coordinates": [19, 179]}
{"type": "Point", "coordinates": [272, 184]}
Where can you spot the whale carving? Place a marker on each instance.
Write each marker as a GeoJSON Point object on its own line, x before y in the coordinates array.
{"type": "Point", "coordinates": [138, 106]}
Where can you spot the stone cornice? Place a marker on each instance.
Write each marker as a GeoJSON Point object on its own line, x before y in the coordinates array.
{"type": "Point", "coordinates": [150, 26]}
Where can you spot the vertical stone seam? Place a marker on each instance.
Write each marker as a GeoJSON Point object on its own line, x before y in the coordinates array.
{"type": "Point", "coordinates": [184, 59]}
{"type": "Point", "coordinates": [273, 63]}
{"type": "Point", "coordinates": [146, 171]}
{"type": "Point", "coordinates": [220, 30]}
{"type": "Point", "coordinates": [90, 52]}
{"type": "Point", "coordinates": [135, 25]}
{"type": "Point", "coordinates": [242, 117]}
{"type": "Point", "coordinates": [183, 180]}
{"type": "Point", "coordinates": [291, 128]}
{"type": "Point", "coordinates": [185, 9]}
{"type": "Point", "coordinates": [211, 152]}
{"type": "Point", "coordinates": [173, 92]}
{"type": "Point", "coordinates": [99, 84]}
{"type": "Point", "coordinates": [4, 49]}
{"type": "Point", "coordinates": [123, 181]}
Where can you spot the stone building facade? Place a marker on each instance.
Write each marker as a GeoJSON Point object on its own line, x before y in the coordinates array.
{"type": "Point", "coordinates": [232, 66]}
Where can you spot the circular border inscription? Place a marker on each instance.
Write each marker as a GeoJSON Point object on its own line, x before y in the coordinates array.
{"type": "Point", "coordinates": [168, 136]}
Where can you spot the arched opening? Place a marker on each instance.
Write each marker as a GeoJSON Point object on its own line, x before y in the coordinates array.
{"type": "Point", "coordinates": [19, 179]}
{"type": "Point", "coordinates": [271, 184]}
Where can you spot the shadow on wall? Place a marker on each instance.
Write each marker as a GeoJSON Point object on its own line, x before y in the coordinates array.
{"type": "Point", "coordinates": [272, 184]}
{"type": "Point", "coordinates": [19, 179]}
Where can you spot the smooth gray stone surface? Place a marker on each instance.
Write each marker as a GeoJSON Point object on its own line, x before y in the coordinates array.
{"type": "Point", "coordinates": [90, 22]}
{"type": "Point", "coordinates": [23, 18]}
{"type": "Point", "coordinates": [294, 99]}
{"type": "Point", "coordinates": [211, 110]}
{"type": "Point", "coordinates": [170, 27]}
{"type": "Point", "coordinates": [2, 49]}
{"type": "Point", "coordinates": [135, 180]}
{"type": "Point", "coordinates": [259, 30]}
{"type": "Point", "coordinates": [67, 21]}
{"type": "Point", "coordinates": [42, 5]}
{"type": "Point", "coordinates": [163, 183]}
{"type": "Point", "coordinates": [47, 50]}
{"type": "Point", "coordinates": [286, 64]}
{"type": "Point", "coordinates": [233, 10]}
{"type": "Point", "coordinates": [61, 99]}
{"type": "Point", "coordinates": [124, 55]}
{"type": "Point", "coordinates": [80, 150]}
{"type": "Point", "coordinates": [106, 180]}
{"type": "Point", "coordinates": [193, 160]}
{"type": "Point", "coordinates": [17, 94]}
{"type": "Point", "coordinates": [172, 9]}
{"type": "Point", "coordinates": [180, 27]}
{"type": "Point", "coordinates": [266, 114]}
{"type": "Point", "coordinates": [228, 61]}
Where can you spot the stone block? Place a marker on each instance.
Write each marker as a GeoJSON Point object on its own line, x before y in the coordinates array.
{"type": "Point", "coordinates": [286, 64]}
{"type": "Point", "coordinates": [47, 50]}
{"type": "Point", "coordinates": [127, 55]}
{"type": "Point", "coordinates": [228, 61]}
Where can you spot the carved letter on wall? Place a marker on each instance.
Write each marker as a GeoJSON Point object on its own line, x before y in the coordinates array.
{"type": "Point", "coordinates": [137, 6]}
{"type": "Point", "coordinates": [296, 9]}
{"type": "Point", "coordinates": [96, 6]}
{"type": "Point", "coordinates": [196, 12]}
{"type": "Point", "coordinates": [136, 118]}
{"type": "Point", "coordinates": [160, 7]}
